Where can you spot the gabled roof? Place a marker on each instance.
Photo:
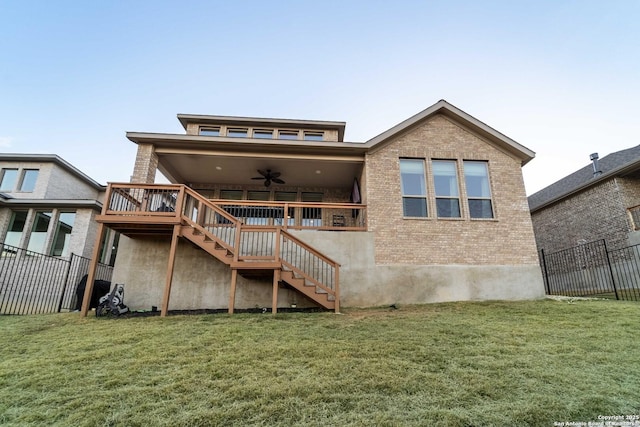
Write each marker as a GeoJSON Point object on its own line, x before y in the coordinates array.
{"type": "Point", "coordinates": [459, 116]}
{"type": "Point", "coordinates": [51, 158]}
{"type": "Point", "coordinates": [614, 164]}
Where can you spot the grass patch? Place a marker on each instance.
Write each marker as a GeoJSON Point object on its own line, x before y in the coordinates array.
{"type": "Point", "coordinates": [458, 364]}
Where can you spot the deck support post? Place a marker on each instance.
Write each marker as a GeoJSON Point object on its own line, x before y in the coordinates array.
{"type": "Point", "coordinates": [88, 289]}
{"type": "Point", "coordinates": [232, 292]}
{"type": "Point", "coordinates": [170, 266]}
{"type": "Point", "coordinates": [276, 280]}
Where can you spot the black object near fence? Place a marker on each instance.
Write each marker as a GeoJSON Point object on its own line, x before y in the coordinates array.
{"type": "Point", "coordinates": [591, 269]}
{"type": "Point", "coordinates": [32, 283]}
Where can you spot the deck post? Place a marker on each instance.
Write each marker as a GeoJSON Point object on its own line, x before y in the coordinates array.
{"type": "Point", "coordinates": [232, 292]}
{"type": "Point", "coordinates": [276, 280]}
{"type": "Point", "coordinates": [337, 289]}
{"type": "Point", "coordinates": [170, 265]}
{"type": "Point", "coordinates": [88, 289]}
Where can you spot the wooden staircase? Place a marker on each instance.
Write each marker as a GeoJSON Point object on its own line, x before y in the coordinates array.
{"type": "Point", "coordinates": [153, 209]}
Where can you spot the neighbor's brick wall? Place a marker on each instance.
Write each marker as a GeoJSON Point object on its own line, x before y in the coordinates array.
{"type": "Point", "coordinates": [593, 214]}
{"type": "Point", "coordinates": [506, 240]}
{"type": "Point", "coordinates": [630, 191]}
{"type": "Point", "coordinates": [144, 169]}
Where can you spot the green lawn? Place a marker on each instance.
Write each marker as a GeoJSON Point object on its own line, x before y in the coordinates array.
{"type": "Point", "coordinates": [458, 364]}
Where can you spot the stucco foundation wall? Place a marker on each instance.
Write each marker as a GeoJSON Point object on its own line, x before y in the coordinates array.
{"type": "Point", "coordinates": [203, 282]}
{"type": "Point", "coordinates": [199, 281]}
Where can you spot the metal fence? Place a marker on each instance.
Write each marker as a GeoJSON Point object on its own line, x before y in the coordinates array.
{"type": "Point", "coordinates": [32, 282]}
{"type": "Point", "coordinates": [591, 269]}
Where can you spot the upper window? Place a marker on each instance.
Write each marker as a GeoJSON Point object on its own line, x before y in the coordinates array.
{"type": "Point", "coordinates": [29, 178]}
{"type": "Point", "coordinates": [231, 194]}
{"type": "Point", "coordinates": [288, 134]}
{"type": "Point", "coordinates": [476, 176]}
{"type": "Point", "coordinates": [313, 136]}
{"type": "Point", "coordinates": [263, 133]}
{"type": "Point", "coordinates": [414, 190]}
{"type": "Point", "coordinates": [8, 178]}
{"type": "Point", "coordinates": [237, 133]}
{"type": "Point", "coordinates": [210, 131]}
{"type": "Point", "coordinates": [445, 180]}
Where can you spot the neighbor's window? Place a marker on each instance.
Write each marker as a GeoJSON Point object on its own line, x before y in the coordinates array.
{"type": "Point", "coordinates": [476, 176]}
{"type": "Point", "coordinates": [211, 131]}
{"type": "Point", "coordinates": [9, 177]}
{"type": "Point", "coordinates": [414, 189]}
{"type": "Point", "coordinates": [263, 134]}
{"type": "Point", "coordinates": [288, 134]}
{"type": "Point", "coordinates": [29, 178]}
{"type": "Point", "coordinates": [313, 136]}
{"type": "Point", "coordinates": [62, 235]}
{"type": "Point", "coordinates": [16, 227]}
{"type": "Point", "coordinates": [445, 180]}
{"type": "Point", "coordinates": [237, 133]}
{"type": "Point", "coordinates": [38, 236]}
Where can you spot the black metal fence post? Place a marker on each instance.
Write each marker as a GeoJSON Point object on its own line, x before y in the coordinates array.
{"type": "Point", "coordinates": [64, 282]}
{"type": "Point", "coordinates": [546, 273]}
{"type": "Point", "coordinates": [613, 280]}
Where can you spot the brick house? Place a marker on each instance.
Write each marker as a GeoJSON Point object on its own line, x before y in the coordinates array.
{"type": "Point", "coordinates": [599, 201]}
{"type": "Point", "coordinates": [49, 206]}
{"type": "Point", "coordinates": [279, 213]}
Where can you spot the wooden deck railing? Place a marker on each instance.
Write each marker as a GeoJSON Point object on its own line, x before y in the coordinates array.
{"type": "Point", "coordinates": [247, 242]}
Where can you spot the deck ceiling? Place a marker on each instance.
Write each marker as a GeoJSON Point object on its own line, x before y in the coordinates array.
{"type": "Point", "coordinates": [238, 169]}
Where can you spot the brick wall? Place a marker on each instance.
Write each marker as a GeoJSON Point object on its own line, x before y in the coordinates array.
{"type": "Point", "coordinates": [598, 212]}
{"type": "Point", "coordinates": [144, 169]}
{"type": "Point", "coordinates": [505, 240]}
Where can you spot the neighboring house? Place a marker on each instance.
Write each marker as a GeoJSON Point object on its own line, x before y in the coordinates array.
{"type": "Point", "coordinates": [280, 213]}
{"type": "Point", "coordinates": [48, 206]}
{"type": "Point", "coordinates": [599, 201]}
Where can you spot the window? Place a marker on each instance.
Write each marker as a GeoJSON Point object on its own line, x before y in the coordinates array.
{"type": "Point", "coordinates": [62, 235]}
{"type": "Point", "coordinates": [29, 177]}
{"type": "Point", "coordinates": [210, 131]}
{"type": "Point", "coordinates": [476, 176]}
{"type": "Point", "coordinates": [263, 134]}
{"type": "Point", "coordinates": [414, 190]}
{"type": "Point", "coordinates": [38, 237]}
{"type": "Point", "coordinates": [445, 180]}
{"type": "Point", "coordinates": [288, 134]}
{"type": "Point", "coordinates": [16, 227]}
{"type": "Point", "coordinates": [237, 133]}
{"type": "Point", "coordinates": [8, 182]}
{"type": "Point", "coordinates": [312, 217]}
{"type": "Point", "coordinates": [231, 194]}
{"type": "Point", "coordinates": [313, 136]}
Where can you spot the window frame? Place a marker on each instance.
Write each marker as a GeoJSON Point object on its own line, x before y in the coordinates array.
{"type": "Point", "coordinates": [487, 177]}
{"type": "Point", "coordinates": [13, 183]}
{"type": "Point", "coordinates": [264, 132]}
{"type": "Point", "coordinates": [242, 132]}
{"type": "Point", "coordinates": [405, 196]}
{"type": "Point", "coordinates": [448, 197]}
{"type": "Point", "coordinates": [289, 132]}
{"type": "Point", "coordinates": [23, 180]}
{"type": "Point", "coordinates": [313, 136]}
{"type": "Point", "coordinates": [215, 131]}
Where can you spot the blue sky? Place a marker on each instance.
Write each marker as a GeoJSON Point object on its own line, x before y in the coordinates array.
{"type": "Point", "coordinates": [560, 77]}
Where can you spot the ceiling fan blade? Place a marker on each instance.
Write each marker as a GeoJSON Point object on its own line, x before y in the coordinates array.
{"type": "Point", "coordinates": [277, 180]}
{"type": "Point", "coordinates": [258, 177]}
{"type": "Point", "coordinates": [275, 174]}
{"type": "Point", "coordinates": [263, 173]}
